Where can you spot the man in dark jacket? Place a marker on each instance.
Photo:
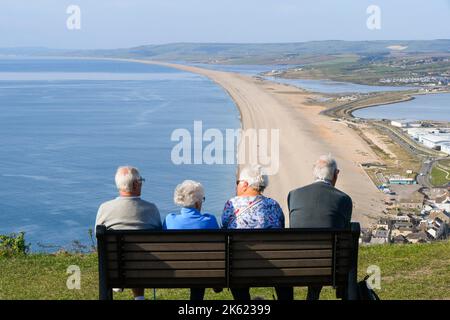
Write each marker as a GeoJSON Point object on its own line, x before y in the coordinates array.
{"type": "Point", "coordinates": [320, 205]}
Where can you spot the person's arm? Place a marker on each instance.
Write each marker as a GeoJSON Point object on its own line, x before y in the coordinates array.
{"type": "Point", "coordinates": [348, 209]}
{"type": "Point", "coordinates": [214, 223]}
{"type": "Point", "coordinates": [158, 219]}
{"type": "Point", "coordinates": [289, 201]}
{"type": "Point", "coordinates": [280, 215]}
{"type": "Point", "coordinates": [99, 220]}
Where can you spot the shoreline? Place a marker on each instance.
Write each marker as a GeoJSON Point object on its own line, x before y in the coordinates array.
{"type": "Point", "coordinates": [304, 136]}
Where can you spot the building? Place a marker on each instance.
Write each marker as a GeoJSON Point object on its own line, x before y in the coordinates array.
{"type": "Point", "coordinates": [438, 229]}
{"type": "Point", "coordinates": [406, 123]}
{"type": "Point", "coordinates": [380, 236]}
{"type": "Point", "coordinates": [399, 239]}
{"type": "Point", "coordinates": [401, 232]}
{"type": "Point", "coordinates": [434, 141]}
{"type": "Point", "coordinates": [416, 133]}
{"type": "Point", "coordinates": [400, 123]}
{"type": "Point", "coordinates": [401, 180]}
{"type": "Point", "coordinates": [445, 147]}
{"type": "Point", "coordinates": [438, 214]}
{"type": "Point", "coordinates": [418, 237]}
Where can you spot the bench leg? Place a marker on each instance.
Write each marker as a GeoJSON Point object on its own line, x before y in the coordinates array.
{"type": "Point", "coordinates": [351, 291]}
{"type": "Point", "coordinates": [106, 293]}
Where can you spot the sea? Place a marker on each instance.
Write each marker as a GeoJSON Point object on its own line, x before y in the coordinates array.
{"type": "Point", "coordinates": [67, 124]}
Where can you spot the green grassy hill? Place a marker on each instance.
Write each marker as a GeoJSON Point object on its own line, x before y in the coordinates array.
{"type": "Point", "coordinates": [419, 271]}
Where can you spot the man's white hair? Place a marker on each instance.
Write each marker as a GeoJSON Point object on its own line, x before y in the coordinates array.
{"type": "Point", "coordinates": [325, 168]}
{"type": "Point", "coordinates": [125, 177]}
{"type": "Point", "coordinates": [188, 193]}
{"type": "Point", "coordinates": [254, 176]}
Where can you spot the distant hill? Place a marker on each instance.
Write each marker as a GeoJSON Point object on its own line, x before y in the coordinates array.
{"type": "Point", "coordinates": [247, 52]}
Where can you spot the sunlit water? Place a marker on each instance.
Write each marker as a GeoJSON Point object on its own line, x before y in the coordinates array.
{"type": "Point", "coordinates": [67, 124]}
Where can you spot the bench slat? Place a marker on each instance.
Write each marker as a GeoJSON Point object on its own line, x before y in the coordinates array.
{"type": "Point", "coordinates": [281, 237]}
{"type": "Point", "coordinates": [267, 273]}
{"type": "Point", "coordinates": [263, 263]}
{"type": "Point", "coordinates": [193, 246]}
{"type": "Point", "coordinates": [285, 254]}
{"type": "Point", "coordinates": [275, 245]}
{"type": "Point", "coordinates": [175, 256]}
{"type": "Point", "coordinates": [169, 265]}
{"type": "Point", "coordinates": [200, 273]}
{"type": "Point", "coordinates": [169, 238]}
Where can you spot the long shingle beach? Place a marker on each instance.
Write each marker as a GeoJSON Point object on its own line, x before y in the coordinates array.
{"type": "Point", "coordinates": [304, 136]}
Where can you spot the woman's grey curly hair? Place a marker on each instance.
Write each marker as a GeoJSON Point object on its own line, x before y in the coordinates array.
{"type": "Point", "coordinates": [255, 177]}
{"type": "Point", "coordinates": [188, 193]}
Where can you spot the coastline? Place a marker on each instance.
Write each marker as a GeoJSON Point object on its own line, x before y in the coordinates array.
{"type": "Point", "coordinates": [304, 136]}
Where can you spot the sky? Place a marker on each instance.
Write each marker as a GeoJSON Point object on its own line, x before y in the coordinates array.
{"type": "Point", "coordinates": [107, 24]}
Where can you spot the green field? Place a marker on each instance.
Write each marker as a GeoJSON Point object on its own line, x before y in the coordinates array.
{"type": "Point", "coordinates": [439, 176]}
{"type": "Point", "coordinates": [407, 272]}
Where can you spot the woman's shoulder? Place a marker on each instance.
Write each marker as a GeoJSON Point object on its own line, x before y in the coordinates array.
{"type": "Point", "coordinates": [233, 199]}
{"type": "Point", "coordinates": [210, 220]}
{"type": "Point", "coordinates": [268, 200]}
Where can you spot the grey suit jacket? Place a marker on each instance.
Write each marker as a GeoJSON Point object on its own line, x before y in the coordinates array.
{"type": "Point", "coordinates": [129, 213]}
{"type": "Point", "coordinates": [319, 205]}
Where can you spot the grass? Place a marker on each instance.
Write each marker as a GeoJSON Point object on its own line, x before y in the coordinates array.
{"type": "Point", "coordinates": [419, 271]}
{"type": "Point", "coordinates": [439, 176]}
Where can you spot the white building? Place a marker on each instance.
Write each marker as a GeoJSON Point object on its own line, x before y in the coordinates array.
{"type": "Point", "coordinates": [405, 124]}
{"type": "Point", "coordinates": [434, 141]}
{"type": "Point", "coordinates": [400, 123]}
{"type": "Point", "coordinates": [445, 147]}
{"type": "Point", "coordinates": [416, 133]}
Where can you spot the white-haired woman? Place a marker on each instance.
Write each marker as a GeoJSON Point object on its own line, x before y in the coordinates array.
{"type": "Point", "coordinates": [190, 195]}
{"type": "Point", "coordinates": [251, 210]}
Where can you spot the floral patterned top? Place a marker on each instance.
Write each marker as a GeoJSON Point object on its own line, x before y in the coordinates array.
{"type": "Point", "coordinates": [262, 213]}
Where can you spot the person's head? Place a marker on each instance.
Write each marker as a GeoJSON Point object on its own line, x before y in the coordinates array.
{"type": "Point", "coordinates": [252, 181]}
{"type": "Point", "coordinates": [326, 169]}
{"type": "Point", "coordinates": [128, 181]}
{"type": "Point", "coordinates": [189, 194]}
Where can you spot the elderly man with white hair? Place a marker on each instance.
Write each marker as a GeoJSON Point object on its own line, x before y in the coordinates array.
{"type": "Point", "coordinates": [129, 211]}
{"type": "Point", "coordinates": [190, 195]}
{"type": "Point", "coordinates": [320, 204]}
{"type": "Point", "coordinates": [251, 210]}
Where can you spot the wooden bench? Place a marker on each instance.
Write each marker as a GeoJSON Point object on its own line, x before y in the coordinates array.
{"type": "Point", "coordinates": [228, 258]}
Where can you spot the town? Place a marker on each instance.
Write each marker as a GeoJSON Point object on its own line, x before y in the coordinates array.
{"type": "Point", "coordinates": [414, 213]}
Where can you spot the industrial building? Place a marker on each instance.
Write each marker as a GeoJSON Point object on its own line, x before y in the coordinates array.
{"type": "Point", "coordinates": [434, 141]}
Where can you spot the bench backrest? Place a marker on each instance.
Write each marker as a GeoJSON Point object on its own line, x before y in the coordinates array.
{"type": "Point", "coordinates": [225, 258]}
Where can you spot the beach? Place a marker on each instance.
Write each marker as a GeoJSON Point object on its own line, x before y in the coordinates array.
{"type": "Point", "coordinates": [304, 136]}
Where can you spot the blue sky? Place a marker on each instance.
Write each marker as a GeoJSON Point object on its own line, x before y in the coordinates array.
{"type": "Point", "coordinates": [126, 23]}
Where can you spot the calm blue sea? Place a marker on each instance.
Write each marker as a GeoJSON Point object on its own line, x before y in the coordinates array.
{"type": "Point", "coordinates": [67, 124]}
